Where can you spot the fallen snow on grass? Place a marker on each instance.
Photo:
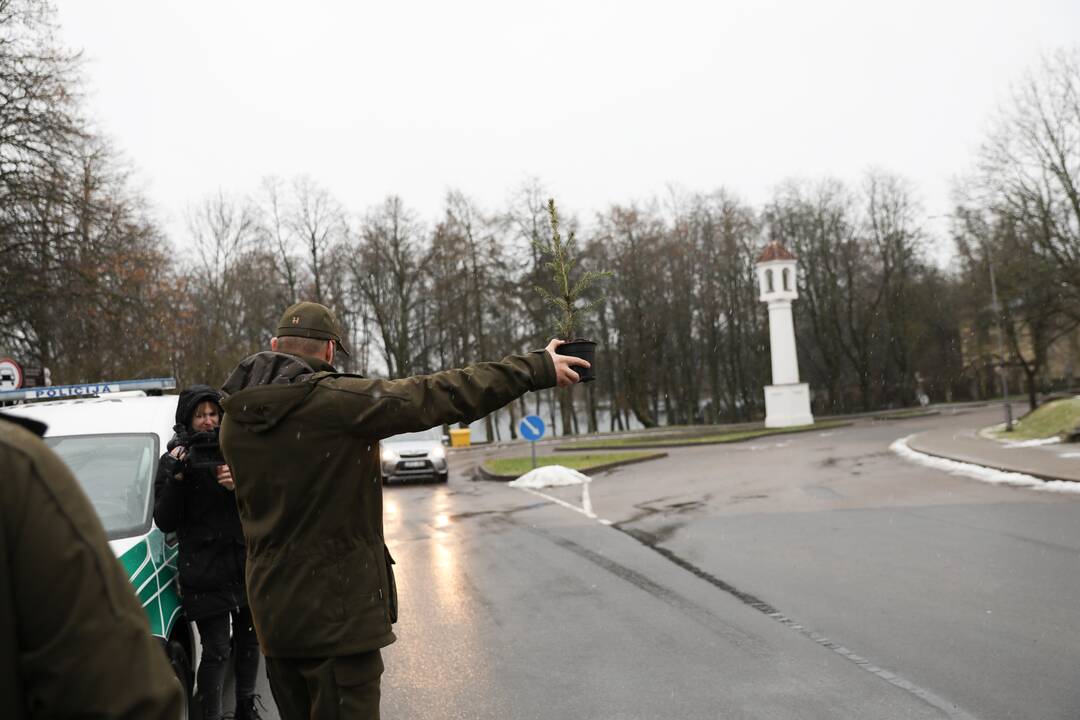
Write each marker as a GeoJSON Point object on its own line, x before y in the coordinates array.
{"type": "Point", "coordinates": [550, 476]}
{"type": "Point", "coordinates": [979, 472]}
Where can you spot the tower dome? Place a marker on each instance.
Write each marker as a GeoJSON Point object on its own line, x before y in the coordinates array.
{"type": "Point", "coordinates": [776, 273]}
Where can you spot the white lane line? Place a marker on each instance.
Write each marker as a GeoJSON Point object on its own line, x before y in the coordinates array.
{"type": "Point", "coordinates": [587, 513]}
{"type": "Point", "coordinates": [586, 501]}
{"type": "Point", "coordinates": [950, 709]}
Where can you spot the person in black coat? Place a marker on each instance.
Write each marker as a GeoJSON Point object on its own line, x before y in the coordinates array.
{"type": "Point", "coordinates": [193, 497]}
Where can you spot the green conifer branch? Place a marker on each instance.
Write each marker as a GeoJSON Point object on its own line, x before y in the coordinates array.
{"type": "Point", "coordinates": [565, 294]}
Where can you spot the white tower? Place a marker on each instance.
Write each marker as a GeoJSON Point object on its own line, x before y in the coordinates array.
{"type": "Point", "coordinates": [787, 401]}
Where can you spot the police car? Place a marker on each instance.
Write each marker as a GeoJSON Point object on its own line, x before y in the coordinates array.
{"type": "Point", "coordinates": [112, 443]}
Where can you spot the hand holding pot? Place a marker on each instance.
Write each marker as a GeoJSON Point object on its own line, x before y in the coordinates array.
{"type": "Point", "coordinates": [564, 364]}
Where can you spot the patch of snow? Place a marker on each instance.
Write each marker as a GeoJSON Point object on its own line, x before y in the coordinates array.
{"type": "Point", "coordinates": [1033, 443]}
{"type": "Point", "coordinates": [550, 476]}
{"type": "Point", "coordinates": [979, 472]}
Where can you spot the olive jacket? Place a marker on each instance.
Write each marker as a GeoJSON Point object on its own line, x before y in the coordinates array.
{"type": "Point", "coordinates": [303, 444]}
{"type": "Point", "coordinates": [74, 640]}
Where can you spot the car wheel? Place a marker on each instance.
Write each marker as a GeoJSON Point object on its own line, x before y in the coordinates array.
{"type": "Point", "coordinates": [443, 476]}
{"type": "Point", "coordinates": [181, 665]}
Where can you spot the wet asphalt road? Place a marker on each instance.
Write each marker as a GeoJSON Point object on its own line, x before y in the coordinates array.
{"type": "Point", "coordinates": [802, 576]}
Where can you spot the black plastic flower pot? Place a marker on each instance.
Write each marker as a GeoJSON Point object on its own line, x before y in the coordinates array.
{"type": "Point", "coordinates": [584, 349]}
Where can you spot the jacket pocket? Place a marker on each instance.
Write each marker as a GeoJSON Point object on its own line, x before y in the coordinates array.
{"type": "Point", "coordinates": [295, 599]}
{"type": "Point", "coordinates": [360, 582]}
{"type": "Point", "coordinates": [392, 584]}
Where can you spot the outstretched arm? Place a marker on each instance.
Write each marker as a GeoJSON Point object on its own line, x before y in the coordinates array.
{"type": "Point", "coordinates": [382, 408]}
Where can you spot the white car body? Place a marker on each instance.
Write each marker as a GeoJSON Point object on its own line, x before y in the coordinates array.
{"type": "Point", "coordinates": [414, 456]}
{"type": "Point", "coordinates": [148, 555]}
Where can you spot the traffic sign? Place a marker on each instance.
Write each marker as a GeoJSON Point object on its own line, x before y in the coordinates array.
{"type": "Point", "coordinates": [532, 427]}
{"type": "Point", "coordinates": [11, 375]}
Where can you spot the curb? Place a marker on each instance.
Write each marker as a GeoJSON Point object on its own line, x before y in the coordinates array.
{"type": "Point", "coordinates": [483, 474]}
{"type": "Point", "coordinates": [651, 446]}
{"type": "Point", "coordinates": [910, 416]}
{"type": "Point", "coordinates": [998, 468]}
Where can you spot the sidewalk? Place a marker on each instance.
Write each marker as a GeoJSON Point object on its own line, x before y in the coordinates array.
{"type": "Point", "coordinates": [1047, 462]}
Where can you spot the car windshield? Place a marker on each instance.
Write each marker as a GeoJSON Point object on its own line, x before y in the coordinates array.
{"type": "Point", "coordinates": [117, 473]}
{"type": "Point", "coordinates": [430, 435]}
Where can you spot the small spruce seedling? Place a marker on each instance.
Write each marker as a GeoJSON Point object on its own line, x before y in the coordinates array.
{"type": "Point", "coordinates": [566, 293]}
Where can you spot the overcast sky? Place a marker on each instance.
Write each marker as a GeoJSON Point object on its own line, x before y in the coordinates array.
{"type": "Point", "coordinates": [603, 101]}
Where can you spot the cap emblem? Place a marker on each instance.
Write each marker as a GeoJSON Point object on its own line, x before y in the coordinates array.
{"type": "Point", "coordinates": [295, 319]}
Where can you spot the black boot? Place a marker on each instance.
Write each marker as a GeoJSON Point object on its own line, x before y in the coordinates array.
{"type": "Point", "coordinates": [246, 710]}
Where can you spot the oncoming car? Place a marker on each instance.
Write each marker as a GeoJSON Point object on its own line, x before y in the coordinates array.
{"type": "Point", "coordinates": [414, 456]}
{"type": "Point", "coordinates": [112, 444]}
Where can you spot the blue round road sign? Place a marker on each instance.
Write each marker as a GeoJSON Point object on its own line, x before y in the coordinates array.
{"type": "Point", "coordinates": [531, 427]}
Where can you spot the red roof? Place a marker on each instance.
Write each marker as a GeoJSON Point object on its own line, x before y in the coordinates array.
{"type": "Point", "coordinates": [775, 251]}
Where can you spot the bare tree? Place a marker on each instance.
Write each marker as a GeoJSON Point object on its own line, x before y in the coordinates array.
{"type": "Point", "coordinates": [278, 236]}
{"type": "Point", "coordinates": [895, 240]}
{"type": "Point", "coordinates": [221, 323]}
{"type": "Point", "coordinates": [317, 220]}
{"type": "Point", "coordinates": [1031, 314]}
{"type": "Point", "coordinates": [388, 271]}
{"type": "Point", "coordinates": [1030, 165]}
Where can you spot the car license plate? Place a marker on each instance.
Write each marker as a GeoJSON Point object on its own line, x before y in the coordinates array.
{"type": "Point", "coordinates": [415, 463]}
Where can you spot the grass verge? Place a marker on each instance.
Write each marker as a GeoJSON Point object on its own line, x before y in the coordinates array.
{"type": "Point", "coordinates": [1047, 421]}
{"type": "Point", "coordinates": [907, 414]}
{"type": "Point", "coordinates": [716, 438]}
{"type": "Point", "coordinates": [589, 461]}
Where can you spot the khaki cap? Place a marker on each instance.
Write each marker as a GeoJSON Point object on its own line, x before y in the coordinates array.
{"type": "Point", "coordinates": [311, 320]}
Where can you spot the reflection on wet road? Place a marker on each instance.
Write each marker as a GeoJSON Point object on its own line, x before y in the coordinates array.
{"type": "Point", "coordinates": [881, 578]}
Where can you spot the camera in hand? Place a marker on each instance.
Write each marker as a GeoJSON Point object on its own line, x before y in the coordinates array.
{"type": "Point", "coordinates": [203, 450]}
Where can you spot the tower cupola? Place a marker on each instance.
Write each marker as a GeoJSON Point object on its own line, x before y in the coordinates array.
{"type": "Point", "coordinates": [776, 273]}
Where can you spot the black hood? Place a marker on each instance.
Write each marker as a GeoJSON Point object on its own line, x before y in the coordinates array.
{"type": "Point", "coordinates": [38, 428]}
{"type": "Point", "coordinates": [189, 400]}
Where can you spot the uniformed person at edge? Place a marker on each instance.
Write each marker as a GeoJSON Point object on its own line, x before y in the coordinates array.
{"type": "Point", "coordinates": [74, 640]}
{"type": "Point", "coordinates": [303, 443]}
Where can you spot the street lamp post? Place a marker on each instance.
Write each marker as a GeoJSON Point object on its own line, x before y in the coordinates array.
{"type": "Point", "coordinates": [1001, 343]}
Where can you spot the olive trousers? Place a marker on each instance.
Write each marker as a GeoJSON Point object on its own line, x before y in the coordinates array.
{"type": "Point", "coordinates": [335, 688]}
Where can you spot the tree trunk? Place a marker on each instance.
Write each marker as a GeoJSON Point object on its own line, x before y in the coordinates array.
{"type": "Point", "coordinates": [566, 410]}
{"type": "Point", "coordinates": [590, 404]}
{"type": "Point", "coordinates": [513, 421]}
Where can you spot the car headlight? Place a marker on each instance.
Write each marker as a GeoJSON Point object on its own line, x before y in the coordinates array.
{"type": "Point", "coordinates": [388, 455]}
{"type": "Point", "coordinates": [437, 453]}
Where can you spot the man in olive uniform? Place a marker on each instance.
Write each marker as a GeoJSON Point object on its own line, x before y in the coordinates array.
{"type": "Point", "coordinates": [74, 641]}
{"type": "Point", "coordinates": [303, 444]}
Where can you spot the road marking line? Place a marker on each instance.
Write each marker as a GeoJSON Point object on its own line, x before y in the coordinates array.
{"type": "Point", "coordinates": [587, 513]}
{"type": "Point", "coordinates": [951, 709]}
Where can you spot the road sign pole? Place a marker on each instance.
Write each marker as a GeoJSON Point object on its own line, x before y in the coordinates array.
{"type": "Point", "coordinates": [532, 429]}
